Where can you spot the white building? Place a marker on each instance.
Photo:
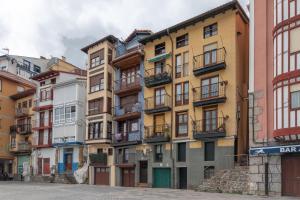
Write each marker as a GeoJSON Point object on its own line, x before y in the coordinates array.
{"type": "Point", "coordinates": [69, 123]}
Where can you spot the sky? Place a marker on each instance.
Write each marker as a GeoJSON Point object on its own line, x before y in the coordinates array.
{"type": "Point", "coordinates": [62, 27]}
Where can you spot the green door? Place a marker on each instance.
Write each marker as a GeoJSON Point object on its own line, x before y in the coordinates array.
{"type": "Point", "coordinates": [21, 160]}
{"type": "Point", "coordinates": [161, 177]}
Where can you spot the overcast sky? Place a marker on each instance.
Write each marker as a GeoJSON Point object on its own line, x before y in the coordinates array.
{"type": "Point", "coordinates": [62, 27]}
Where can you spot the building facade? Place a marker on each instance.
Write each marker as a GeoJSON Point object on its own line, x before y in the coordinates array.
{"type": "Point", "coordinates": [21, 132]}
{"type": "Point", "coordinates": [69, 102]}
{"type": "Point", "coordinates": [99, 111]}
{"type": "Point", "coordinates": [274, 97]}
{"type": "Point", "coordinates": [128, 115]}
{"type": "Point", "coordinates": [196, 97]}
{"type": "Point", "coordinates": [10, 84]}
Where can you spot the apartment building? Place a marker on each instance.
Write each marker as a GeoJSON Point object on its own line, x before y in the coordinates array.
{"type": "Point", "coordinates": [99, 110]}
{"type": "Point", "coordinates": [196, 97]}
{"type": "Point", "coordinates": [21, 132]}
{"type": "Point", "coordinates": [45, 155]}
{"type": "Point", "coordinates": [128, 115]}
{"type": "Point", "coordinates": [10, 84]}
{"type": "Point", "coordinates": [274, 103]}
{"type": "Point", "coordinates": [69, 102]}
{"type": "Point", "coordinates": [23, 66]}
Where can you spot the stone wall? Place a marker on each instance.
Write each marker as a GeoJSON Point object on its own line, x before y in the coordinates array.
{"type": "Point", "coordinates": [257, 175]}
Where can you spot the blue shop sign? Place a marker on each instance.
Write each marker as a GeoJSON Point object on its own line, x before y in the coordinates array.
{"type": "Point", "coordinates": [274, 150]}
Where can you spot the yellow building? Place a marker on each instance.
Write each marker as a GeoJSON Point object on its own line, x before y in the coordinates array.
{"type": "Point", "coordinates": [99, 111]}
{"type": "Point", "coordinates": [21, 131]}
{"type": "Point", "coordinates": [195, 94]}
{"type": "Point", "coordinates": [10, 84]}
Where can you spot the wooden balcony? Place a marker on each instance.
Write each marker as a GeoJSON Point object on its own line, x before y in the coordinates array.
{"type": "Point", "coordinates": [154, 77]}
{"type": "Point", "coordinates": [209, 128]}
{"type": "Point", "coordinates": [158, 133]}
{"type": "Point", "coordinates": [22, 112]}
{"type": "Point", "coordinates": [158, 104]}
{"type": "Point", "coordinates": [210, 94]}
{"type": "Point", "coordinates": [210, 61]}
{"type": "Point", "coordinates": [128, 85]}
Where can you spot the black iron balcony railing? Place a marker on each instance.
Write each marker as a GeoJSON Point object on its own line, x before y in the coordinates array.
{"type": "Point", "coordinates": [158, 76]}
{"type": "Point", "coordinates": [127, 111]}
{"type": "Point", "coordinates": [159, 103]}
{"type": "Point", "coordinates": [209, 61]}
{"type": "Point", "coordinates": [210, 94]}
{"type": "Point", "coordinates": [125, 158]}
{"type": "Point", "coordinates": [127, 138]}
{"type": "Point", "coordinates": [157, 133]}
{"type": "Point", "coordinates": [128, 84]}
{"type": "Point", "coordinates": [21, 129]}
{"type": "Point", "coordinates": [209, 128]}
{"type": "Point", "coordinates": [22, 112]}
{"type": "Point", "coordinates": [98, 136]}
{"type": "Point", "coordinates": [21, 146]}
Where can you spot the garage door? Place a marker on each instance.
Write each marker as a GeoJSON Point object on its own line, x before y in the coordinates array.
{"type": "Point", "coordinates": [101, 176]}
{"type": "Point", "coordinates": [291, 175]}
{"type": "Point", "coordinates": [128, 177]}
{"type": "Point", "coordinates": [161, 177]}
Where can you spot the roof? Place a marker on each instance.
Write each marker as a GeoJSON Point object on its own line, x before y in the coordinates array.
{"type": "Point", "coordinates": [234, 4]}
{"type": "Point", "coordinates": [45, 75]}
{"type": "Point", "coordinates": [109, 38]}
{"type": "Point", "coordinates": [17, 79]}
{"type": "Point", "coordinates": [23, 94]}
{"type": "Point", "coordinates": [138, 31]}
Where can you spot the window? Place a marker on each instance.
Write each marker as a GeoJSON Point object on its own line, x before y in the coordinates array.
{"type": "Point", "coordinates": [59, 115]}
{"type": "Point", "coordinates": [159, 67]}
{"type": "Point", "coordinates": [133, 126]}
{"type": "Point", "coordinates": [209, 172]}
{"type": "Point", "coordinates": [182, 124]}
{"type": "Point", "coordinates": [181, 152]}
{"type": "Point", "coordinates": [45, 94]}
{"type": "Point", "coordinates": [182, 40]}
{"type": "Point", "coordinates": [126, 155]}
{"type": "Point", "coordinates": [13, 141]}
{"type": "Point", "coordinates": [99, 151]}
{"type": "Point", "coordinates": [160, 49]}
{"type": "Point", "coordinates": [295, 100]}
{"type": "Point", "coordinates": [24, 104]}
{"type": "Point", "coordinates": [109, 56]}
{"type": "Point", "coordinates": [30, 103]}
{"type": "Point", "coordinates": [96, 106]}
{"type": "Point", "coordinates": [160, 97]}
{"type": "Point", "coordinates": [37, 69]}
{"type": "Point", "coordinates": [97, 83]}
{"type": "Point", "coordinates": [178, 64]}
{"type": "Point", "coordinates": [210, 87]}
{"type": "Point", "coordinates": [185, 68]}
{"type": "Point", "coordinates": [182, 94]}
{"type": "Point", "coordinates": [210, 54]}
{"type": "Point", "coordinates": [109, 104]}
{"type": "Point", "coordinates": [158, 154]}
{"type": "Point", "coordinates": [209, 151]}
{"type": "Point", "coordinates": [210, 30]}
{"type": "Point", "coordinates": [210, 119]}
{"type": "Point", "coordinates": [70, 113]}
{"type": "Point", "coordinates": [109, 130]}
{"type": "Point", "coordinates": [26, 64]}
{"type": "Point", "coordinates": [109, 81]}
{"type": "Point", "coordinates": [53, 81]}
{"type": "Point", "coordinates": [110, 151]}
{"type": "Point", "coordinates": [0, 85]}
{"type": "Point", "coordinates": [182, 65]}
{"type": "Point", "coordinates": [129, 76]}
{"type": "Point", "coordinates": [97, 58]}
{"type": "Point", "coordinates": [95, 130]}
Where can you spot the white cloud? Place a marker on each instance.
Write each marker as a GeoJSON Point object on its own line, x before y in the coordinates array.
{"type": "Point", "coordinates": [62, 27]}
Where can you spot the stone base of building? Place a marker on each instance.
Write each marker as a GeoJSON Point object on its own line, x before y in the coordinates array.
{"type": "Point", "coordinates": [265, 181]}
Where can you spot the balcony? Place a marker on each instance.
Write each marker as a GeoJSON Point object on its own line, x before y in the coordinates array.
{"type": "Point", "coordinates": [209, 128]}
{"type": "Point", "coordinates": [98, 159]}
{"type": "Point", "coordinates": [21, 147]}
{"type": "Point", "coordinates": [210, 94]}
{"type": "Point", "coordinates": [22, 112]}
{"type": "Point", "coordinates": [127, 111]}
{"type": "Point", "coordinates": [93, 136]}
{"type": "Point", "coordinates": [155, 77]}
{"type": "Point", "coordinates": [21, 129]}
{"type": "Point", "coordinates": [128, 85]}
{"type": "Point", "coordinates": [158, 104]}
{"type": "Point", "coordinates": [210, 61]}
{"type": "Point", "coordinates": [158, 133]}
{"type": "Point", "coordinates": [42, 124]}
{"type": "Point", "coordinates": [127, 138]}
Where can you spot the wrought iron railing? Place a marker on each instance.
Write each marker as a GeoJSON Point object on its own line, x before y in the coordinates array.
{"type": "Point", "coordinates": [208, 58]}
{"type": "Point", "coordinates": [160, 130]}
{"type": "Point", "coordinates": [128, 83]}
{"type": "Point", "coordinates": [210, 125]}
{"type": "Point", "coordinates": [127, 109]}
{"type": "Point", "coordinates": [211, 91]}
{"type": "Point", "coordinates": [158, 101]}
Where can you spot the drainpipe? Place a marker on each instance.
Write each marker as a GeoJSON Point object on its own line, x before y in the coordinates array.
{"type": "Point", "coordinates": [171, 139]}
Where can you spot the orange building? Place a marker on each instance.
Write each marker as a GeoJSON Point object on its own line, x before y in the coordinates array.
{"type": "Point", "coordinates": [10, 84]}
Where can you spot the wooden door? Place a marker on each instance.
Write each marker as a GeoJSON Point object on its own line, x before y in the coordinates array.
{"type": "Point", "coordinates": [68, 162]}
{"type": "Point", "coordinates": [159, 121]}
{"type": "Point", "coordinates": [40, 166]}
{"type": "Point", "coordinates": [128, 177]}
{"type": "Point", "coordinates": [101, 176]}
{"type": "Point", "coordinates": [290, 175]}
{"type": "Point", "coordinates": [143, 171]}
{"type": "Point", "coordinates": [46, 167]}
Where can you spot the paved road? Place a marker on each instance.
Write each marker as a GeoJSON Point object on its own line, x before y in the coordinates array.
{"type": "Point", "coordinates": [34, 191]}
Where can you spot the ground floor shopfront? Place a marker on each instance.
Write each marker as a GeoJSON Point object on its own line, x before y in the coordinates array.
{"type": "Point", "coordinates": [69, 158]}
{"type": "Point", "coordinates": [43, 161]}
{"type": "Point", "coordinates": [274, 170]}
{"type": "Point", "coordinates": [6, 168]}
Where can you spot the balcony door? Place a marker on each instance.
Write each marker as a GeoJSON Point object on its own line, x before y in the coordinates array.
{"type": "Point", "coordinates": [159, 121]}
{"type": "Point", "coordinates": [42, 119]}
{"type": "Point", "coordinates": [210, 120]}
{"type": "Point", "coordinates": [210, 87]}
{"type": "Point", "coordinates": [159, 67]}
{"type": "Point", "coordinates": [210, 54]}
{"type": "Point", "coordinates": [159, 97]}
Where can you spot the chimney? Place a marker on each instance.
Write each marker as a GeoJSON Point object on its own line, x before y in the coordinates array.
{"type": "Point", "coordinates": [63, 58]}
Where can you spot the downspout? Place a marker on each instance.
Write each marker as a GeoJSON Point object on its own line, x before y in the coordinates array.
{"type": "Point", "coordinates": [171, 139]}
